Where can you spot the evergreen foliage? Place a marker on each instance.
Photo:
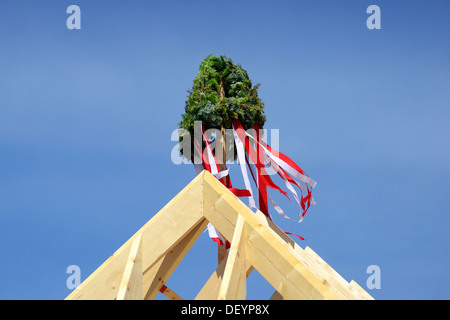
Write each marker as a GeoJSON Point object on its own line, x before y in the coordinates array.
{"type": "Point", "coordinates": [222, 91]}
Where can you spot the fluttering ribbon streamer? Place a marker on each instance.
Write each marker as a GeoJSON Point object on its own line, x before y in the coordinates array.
{"type": "Point", "coordinates": [210, 164]}
{"type": "Point", "coordinates": [259, 154]}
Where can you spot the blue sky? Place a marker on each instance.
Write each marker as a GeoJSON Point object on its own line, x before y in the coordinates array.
{"type": "Point", "coordinates": [86, 118]}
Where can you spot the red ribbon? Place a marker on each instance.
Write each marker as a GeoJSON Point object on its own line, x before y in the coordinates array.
{"type": "Point", "coordinates": [262, 175]}
{"type": "Point", "coordinates": [220, 242]}
{"type": "Point", "coordinates": [263, 179]}
{"type": "Point", "coordinates": [257, 157]}
{"type": "Point", "coordinates": [207, 166]}
{"type": "Point", "coordinates": [301, 238]}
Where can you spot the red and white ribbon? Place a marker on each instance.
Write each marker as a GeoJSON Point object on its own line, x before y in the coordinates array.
{"type": "Point", "coordinates": [281, 165]}
{"type": "Point", "coordinates": [259, 155]}
{"type": "Point", "coordinates": [242, 163]}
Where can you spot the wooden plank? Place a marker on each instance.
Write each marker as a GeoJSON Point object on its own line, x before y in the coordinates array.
{"type": "Point", "coordinates": [291, 277]}
{"type": "Point", "coordinates": [157, 275]}
{"type": "Point", "coordinates": [210, 290]}
{"type": "Point", "coordinates": [365, 295]}
{"type": "Point", "coordinates": [159, 236]}
{"type": "Point", "coordinates": [270, 254]}
{"type": "Point", "coordinates": [233, 285]}
{"type": "Point", "coordinates": [131, 285]}
{"type": "Point", "coordinates": [276, 296]}
{"type": "Point", "coordinates": [169, 293]}
{"type": "Point", "coordinates": [316, 265]}
{"type": "Point", "coordinates": [221, 252]}
{"type": "Point", "coordinates": [165, 239]}
{"type": "Point", "coordinates": [313, 267]}
{"type": "Point", "coordinates": [325, 271]}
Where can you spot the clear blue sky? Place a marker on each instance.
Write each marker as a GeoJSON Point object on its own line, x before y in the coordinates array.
{"type": "Point", "coordinates": [86, 117]}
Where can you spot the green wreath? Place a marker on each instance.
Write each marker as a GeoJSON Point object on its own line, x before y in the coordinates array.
{"type": "Point", "coordinates": [221, 92]}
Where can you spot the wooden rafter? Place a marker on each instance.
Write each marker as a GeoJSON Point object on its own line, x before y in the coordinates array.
{"type": "Point", "coordinates": [131, 285]}
{"type": "Point", "coordinates": [159, 235]}
{"type": "Point", "coordinates": [140, 268]}
{"type": "Point", "coordinates": [169, 293]}
{"type": "Point", "coordinates": [158, 274]}
{"type": "Point", "coordinates": [233, 286]}
{"type": "Point", "coordinates": [210, 290]}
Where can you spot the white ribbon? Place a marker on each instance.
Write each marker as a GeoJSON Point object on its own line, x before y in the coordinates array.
{"type": "Point", "coordinates": [286, 166]}
{"type": "Point", "coordinates": [275, 163]}
{"type": "Point", "coordinates": [274, 204]}
{"type": "Point", "coordinates": [288, 184]}
{"type": "Point", "coordinates": [211, 160]}
{"type": "Point", "coordinates": [241, 158]}
{"type": "Point", "coordinates": [221, 174]}
{"type": "Point", "coordinates": [210, 155]}
{"type": "Point", "coordinates": [213, 233]}
{"type": "Point", "coordinates": [278, 208]}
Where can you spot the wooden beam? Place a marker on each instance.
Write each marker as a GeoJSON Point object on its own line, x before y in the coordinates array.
{"type": "Point", "coordinates": [270, 253]}
{"type": "Point", "coordinates": [355, 286]}
{"type": "Point", "coordinates": [276, 296]}
{"type": "Point", "coordinates": [151, 255]}
{"type": "Point", "coordinates": [169, 293]}
{"type": "Point", "coordinates": [233, 285]}
{"type": "Point", "coordinates": [131, 285]}
{"type": "Point", "coordinates": [157, 275]}
{"type": "Point", "coordinates": [221, 252]}
{"type": "Point", "coordinates": [159, 235]}
{"type": "Point", "coordinates": [210, 290]}
{"type": "Point", "coordinates": [316, 265]}
{"type": "Point", "coordinates": [326, 272]}
{"type": "Point", "coordinates": [340, 288]}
